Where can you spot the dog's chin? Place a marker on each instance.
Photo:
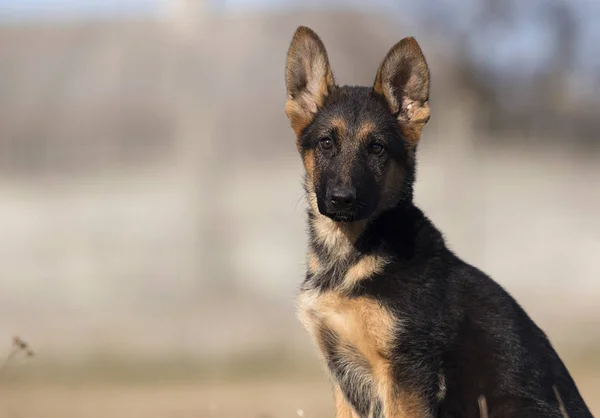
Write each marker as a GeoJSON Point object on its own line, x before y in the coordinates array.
{"type": "Point", "coordinates": [345, 216]}
{"type": "Point", "coordinates": [342, 217]}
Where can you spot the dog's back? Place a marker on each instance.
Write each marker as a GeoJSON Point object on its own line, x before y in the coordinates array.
{"type": "Point", "coordinates": [498, 352]}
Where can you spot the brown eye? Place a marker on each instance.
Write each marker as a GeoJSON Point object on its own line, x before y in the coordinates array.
{"type": "Point", "coordinates": [376, 148]}
{"type": "Point", "coordinates": [326, 143]}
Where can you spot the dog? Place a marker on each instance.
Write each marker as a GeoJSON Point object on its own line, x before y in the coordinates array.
{"type": "Point", "coordinates": [405, 327]}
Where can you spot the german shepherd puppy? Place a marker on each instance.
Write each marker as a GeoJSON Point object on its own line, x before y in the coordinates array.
{"type": "Point", "coordinates": [405, 327]}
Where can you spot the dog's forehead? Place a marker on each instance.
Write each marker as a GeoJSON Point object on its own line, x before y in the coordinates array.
{"type": "Point", "coordinates": [352, 111]}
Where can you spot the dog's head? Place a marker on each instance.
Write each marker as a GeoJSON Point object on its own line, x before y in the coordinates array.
{"type": "Point", "coordinates": [357, 143]}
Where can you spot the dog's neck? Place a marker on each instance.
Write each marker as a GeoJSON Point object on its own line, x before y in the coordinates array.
{"type": "Point", "coordinates": [334, 240]}
{"type": "Point", "coordinates": [342, 254]}
{"type": "Point", "coordinates": [403, 231]}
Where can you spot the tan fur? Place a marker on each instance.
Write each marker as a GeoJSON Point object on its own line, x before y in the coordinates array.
{"type": "Point", "coordinates": [406, 52]}
{"type": "Point", "coordinates": [312, 199]}
{"type": "Point", "coordinates": [306, 61]}
{"type": "Point", "coordinates": [406, 64]}
{"type": "Point", "coordinates": [299, 117]}
{"type": "Point", "coordinates": [365, 327]}
{"type": "Point", "coordinates": [341, 126]}
{"type": "Point", "coordinates": [308, 158]}
{"type": "Point", "coordinates": [365, 129]}
{"type": "Point", "coordinates": [342, 408]}
{"type": "Point", "coordinates": [308, 305]}
{"type": "Point", "coordinates": [403, 404]}
{"type": "Point", "coordinates": [309, 164]}
{"type": "Point", "coordinates": [371, 413]}
{"type": "Point", "coordinates": [363, 269]}
{"type": "Point", "coordinates": [313, 262]}
{"type": "Point", "coordinates": [415, 123]}
{"type": "Point", "coordinates": [336, 237]}
{"type": "Point", "coordinates": [398, 402]}
{"type": "Point", "coordinates": [361, 322]}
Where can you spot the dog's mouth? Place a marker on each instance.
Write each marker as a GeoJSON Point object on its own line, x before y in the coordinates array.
{"type": "Point", "coordinates": [358, 212]}
{"type": "Point", "coordinates": [343, 217]}
{"type": "Point", "coordinates": [346, 216]}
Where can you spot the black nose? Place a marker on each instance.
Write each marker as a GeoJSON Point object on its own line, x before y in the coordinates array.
{"type": "Point", "coordinates": [342, 198]}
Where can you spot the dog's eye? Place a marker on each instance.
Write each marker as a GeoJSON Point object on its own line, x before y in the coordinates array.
{"type": "Point", "coordinates": [326, 143]}
{"type": "Point", "coordinates": [376, 148]}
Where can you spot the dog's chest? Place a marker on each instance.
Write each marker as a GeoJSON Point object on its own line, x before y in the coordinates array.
{"type": "Point", "coordinates": [338, 322]}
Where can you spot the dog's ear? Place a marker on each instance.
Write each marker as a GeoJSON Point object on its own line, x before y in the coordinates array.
{"type": "Point", "coordinates": [308, 78]}
{"type": "Point", "coordinates": [403, 80]}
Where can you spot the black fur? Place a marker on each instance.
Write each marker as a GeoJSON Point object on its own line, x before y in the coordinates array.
{"type": "Point", "coordinates": [357, 105]}
{"type": "Point", "coordinates": [460, 335]}
{"type": "Point", "coordinates": [459, 321]}
{"type": "Point", "coordinates": [455, 318]}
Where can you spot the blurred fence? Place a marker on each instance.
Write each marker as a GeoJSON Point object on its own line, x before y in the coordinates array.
{"type": "Point", "coordinates": [151, 200]}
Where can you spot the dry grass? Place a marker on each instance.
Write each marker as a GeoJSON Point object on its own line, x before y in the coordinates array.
{"type": "Point", "coordinates": [226, 400]}
{"type": "Point", "coordinates": [18, 348]}
{"type": "Point", "coordinates": [561, 405]}
{"type": "Point", "coordinates": [251, 399]}
{"type": "Point", "coordinates": [483, 410]}
{"type": "Point", "coordinates": [266, 397]}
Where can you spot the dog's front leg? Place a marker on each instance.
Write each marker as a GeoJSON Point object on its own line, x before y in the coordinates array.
{"type": "Point", "coordinates": [405, 405]}
{"type": "Point", "coordinates": [398, 401]}
{"type": "Point", "coordinates": [343, 409]}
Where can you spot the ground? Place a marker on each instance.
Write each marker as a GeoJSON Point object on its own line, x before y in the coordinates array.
{"type": "Point", "coordinates": [252, 399]}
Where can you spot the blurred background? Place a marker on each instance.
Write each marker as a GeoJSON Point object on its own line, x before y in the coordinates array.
{"type": "Point", "coordinates": [151, 207]}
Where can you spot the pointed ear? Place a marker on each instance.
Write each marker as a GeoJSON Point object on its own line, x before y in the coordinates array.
{"type": "Point", "coordinates": [308, 78]}
{"type": "Point", "coordinates": [403, 80]}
